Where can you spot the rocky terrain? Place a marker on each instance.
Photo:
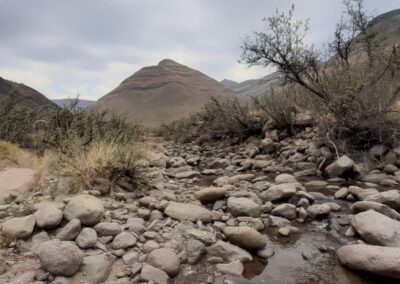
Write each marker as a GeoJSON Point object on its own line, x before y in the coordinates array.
{"type": "Point", "coordinates": [162, 93]}
{"type": "Point", "coordinates": [277, 210]}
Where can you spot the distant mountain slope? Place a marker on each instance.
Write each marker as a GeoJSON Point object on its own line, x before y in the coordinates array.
{"type": "Point", "coordinates": [22, 94]}
{"type": "Point", "coordinates": [162, 93]}
{"type": "Point", "coordinates": [81, 103]}
{"type": "Point", "coordinates": [253, 88]}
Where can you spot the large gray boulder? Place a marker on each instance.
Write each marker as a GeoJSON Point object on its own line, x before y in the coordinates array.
{"type": "Point", "coordinates": [377, 229]}
{"type": "Point", "coordinates": [166, 260]}
{"type": "Point", "coordinates": [229, 252]}
{"type": "Point", "coordinates": [245, 237]}
{"type": "Point", "coordinates": [87, 208]}
{"type": "Point", "coordinates": [241, 206]}
{"type": "Point", "coordinates": [373, 259]}
{"type": "Point", "coordinates": [340, 167]}
{"type": "Point", "coordinates": [188, 212]}
{"type": "Point", "coordinates": [60, 258]}
{"type": "Point", "coordinates": [19, 228]}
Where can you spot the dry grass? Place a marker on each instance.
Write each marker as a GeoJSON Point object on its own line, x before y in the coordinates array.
{"type": "Point", "coordinates": [112, 161]}
{"type": "Point", "coordinates": [11, 154]}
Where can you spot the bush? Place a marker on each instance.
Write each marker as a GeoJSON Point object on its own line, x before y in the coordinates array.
{"type": "Point", "coordinates": [183, 130]}
{"type": "Point", "coordinates": [230, 118]}
{"type": "Point", "coordinates": [78, 144]}
{"type": "Point", "coordinates": [355, 87]}
{"type": "Point", "coordinates": [109, 160]}
{"type": "Point", "coordinates": [283, 107]}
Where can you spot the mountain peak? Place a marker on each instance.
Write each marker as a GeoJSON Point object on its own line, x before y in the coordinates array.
{"type": "Point", "coordinates": [168, 62]}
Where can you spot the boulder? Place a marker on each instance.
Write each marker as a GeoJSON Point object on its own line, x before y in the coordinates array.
{"type": "Point", "coordinates": [375, 178]}
{"type": "Point", "coordinates": [377, 229]}
{"type": "Point", "coordinates": [245, 237]}
{"type": "Point", "coordinates": [362, 206]}
{"type": "Point", "coordinates": [70, 231]}
{"type": "Point", "coordinates": [240, 206]}
{"type": "Point", "coordinates": [285, 178]}
{"type": "Point", "coordinates": [390, 198]}
{"type": "Point", "coordinates": [60, 258]}
{"type": "Point", "coordinates": [87, 238]}
{"type": "Point", "coordinates": [285, 210]}
{"type": "Point", "coordinates": [123, 240]}
{"type": "Point", "coordinates": [165, 260]}
{"type": "Point", "coordinates": [194, 250]}
{"type": "Point", "coordinates": [379, 260]}
{"type": "Point", "coordinates": [362, 193]}
{"type": "Point", "coordinates": [316, 210]}
{"type": "Point", "coordinates": [108, 229]}
{"type": "Point", "coordinates": [228, 252]}
{"type": "Point", "coordinates": [152, 274]}
{"type": "Point", "coordinates": [280, 191]}
{"type": "Point", "coordinates": [189, 212]}
{"type": "Point", "coordinates": [234, 268]}
{"type": "Point", "coordinates": [340, 167]}
{"type": "Point", "coordinates": [210, 194]}
{"type": "Point", "coordinates": [48, 216]}
{"type": "Point", "coordinates": [96, 267]}
{"type": "Point", "coordinates": [87, 208]}
{"type": "Point", "coordinates": [19, 228]}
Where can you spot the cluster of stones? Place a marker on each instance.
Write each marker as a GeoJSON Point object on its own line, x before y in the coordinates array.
{"type": "Point", "coordinates": [126, 236]}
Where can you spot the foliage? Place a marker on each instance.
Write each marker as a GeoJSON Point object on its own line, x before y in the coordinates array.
{"type": "Point", "coordinates": [230, 118]}
{"type": "Point", "coordinates": [355, 86]}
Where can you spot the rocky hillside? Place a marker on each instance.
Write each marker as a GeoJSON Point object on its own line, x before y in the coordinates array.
{"type": "Point", "coordinates": [162, 93]}
{"type": "Point", "coordinates": [23, 94]}
{"type": "Point", "coordinates": [253, 88]}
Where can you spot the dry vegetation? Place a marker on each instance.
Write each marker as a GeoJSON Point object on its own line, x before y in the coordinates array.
{"type": "Point", "coordinates": [74, 145]}
{"type": "Point", "coordinates": [350, 90]}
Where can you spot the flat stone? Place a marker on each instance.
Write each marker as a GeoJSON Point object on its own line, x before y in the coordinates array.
{"type": "Point", "coordinates": [245, 237]}
{"type": "Point", "coordinates": [228, 252]}
{"type": "Point", "coordinates": [377, 229]}
{"type": "Point", "coordinates": [19, 228]}
{"type": "Point", "coordinates": [240, 206]}
{"type": "Point", "coordinates": [210, 194]}
{"type": "Point", "coordinates": [234, 268]}
{"type": "Point", "coordinates": [123, 240]}
{"type": "Point", "coordinates": [379, 260]}
{"type": "Point", "coordinates": [189, 212]}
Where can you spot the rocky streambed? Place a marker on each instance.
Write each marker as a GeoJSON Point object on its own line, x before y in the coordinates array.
{"type": "Point", "coordinates": [271, 211]}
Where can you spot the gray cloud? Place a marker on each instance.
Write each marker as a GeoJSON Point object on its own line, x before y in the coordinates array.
{"type": "Point", "coordinates": [63, 48]}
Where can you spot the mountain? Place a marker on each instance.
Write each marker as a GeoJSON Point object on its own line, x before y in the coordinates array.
{"type": "Point", "coordinates": [23, 95]}
{"type": "Point", "coordinates": [162, 93]}
{"type": "Point", "coordinates": [81, 103]}
{"type": "Point", "coordinates": [253, 88]}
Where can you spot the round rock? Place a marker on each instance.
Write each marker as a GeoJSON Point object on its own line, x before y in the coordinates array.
{"type": "Point", "coordinates": [87, 208]}
{"type": "Point", "coordinates": [60, 258]}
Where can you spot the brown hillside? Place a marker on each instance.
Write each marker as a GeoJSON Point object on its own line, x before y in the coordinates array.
{"type": "Point", "coordinates": [162, 93]}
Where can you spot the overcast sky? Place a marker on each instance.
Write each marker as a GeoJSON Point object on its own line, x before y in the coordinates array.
{"type": "Point", "coordinates": [62, 48]}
